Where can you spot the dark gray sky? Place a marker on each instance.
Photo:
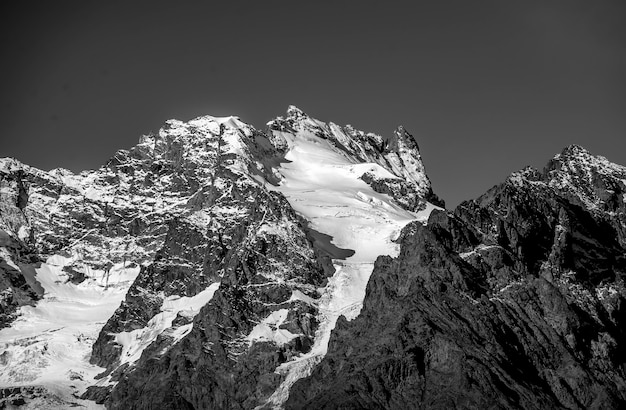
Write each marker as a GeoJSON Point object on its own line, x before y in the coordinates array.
{"type": "Point", "coordinates": [488, 87]}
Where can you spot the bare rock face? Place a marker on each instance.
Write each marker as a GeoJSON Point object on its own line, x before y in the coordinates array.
{"type": "Point", "coordinates": [515, 301]}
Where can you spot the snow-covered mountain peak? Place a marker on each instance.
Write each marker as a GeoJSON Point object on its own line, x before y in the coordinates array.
{"type": "Point", "coordinates": [202, 126]}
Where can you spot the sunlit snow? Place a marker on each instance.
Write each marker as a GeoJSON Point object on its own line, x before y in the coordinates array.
{"type": "Point", "coordinates": [269, 329]}
{"type": "Point", "coordinates": [50, 343]}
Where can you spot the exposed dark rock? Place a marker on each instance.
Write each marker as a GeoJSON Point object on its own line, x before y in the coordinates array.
{"type": "Point", "coordinates": [591, 182]}
{"type": "Point", "coordinates": [75, 276]}
{"type": "Point", "coordinates": [22, 191]}
{"type": "Point", "coordinates": [99, 394]}
{"type": "Point", "coordinates": [15, 397]}
{"type": "Point", "coordinates": [406, 194]}
{"type": "Point", "coordinates": [16, 289]}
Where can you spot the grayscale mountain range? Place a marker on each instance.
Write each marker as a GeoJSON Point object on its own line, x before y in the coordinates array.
{"type": "Point", "coordinates": [308, 266]}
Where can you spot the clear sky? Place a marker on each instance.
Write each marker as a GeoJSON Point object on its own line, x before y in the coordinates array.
{"type": "Point", "coordinates": [487, 87]}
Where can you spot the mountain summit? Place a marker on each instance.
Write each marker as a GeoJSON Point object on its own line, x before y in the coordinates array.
{"type": "Point", "coordinates": [308, 265]}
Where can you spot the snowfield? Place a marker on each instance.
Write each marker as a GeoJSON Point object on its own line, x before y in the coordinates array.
{"type": "Point", "coordinates": [322, 184]}
{"type": "Point", "coordinates": [49, 344]}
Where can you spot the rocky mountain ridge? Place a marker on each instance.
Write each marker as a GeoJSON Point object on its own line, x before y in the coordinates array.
{"type": "Point", "coordinates": [228, 267]}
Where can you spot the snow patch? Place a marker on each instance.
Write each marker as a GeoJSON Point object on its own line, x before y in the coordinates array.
{"type": "Point", "coordinates": [269, 329]}
{"type": "Point", "coordinates": [135, 342]}
{"type": "Point", "coordinates": [297, 295]}
{"type": "Point", "coordinates": [23, 233]}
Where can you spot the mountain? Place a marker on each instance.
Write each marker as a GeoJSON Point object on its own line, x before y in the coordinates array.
{"type": "Point", "coordinates": [211, 251]}
{"type": "Point", "coordinates": [309, 265]}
